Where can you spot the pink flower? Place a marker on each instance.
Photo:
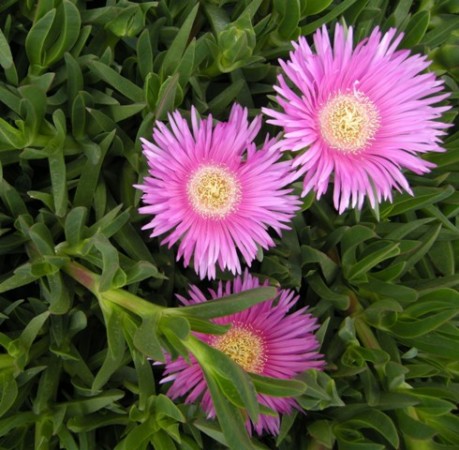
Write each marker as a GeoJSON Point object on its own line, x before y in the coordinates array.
{"type": "Point", "coordinates": [263, 339]}
{"type": "Point", "coordinates": [357, 115]}
{"type": "Point", "coordinates": [211, 189]}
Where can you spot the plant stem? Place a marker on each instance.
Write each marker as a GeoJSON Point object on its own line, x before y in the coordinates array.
{"type": "Point", "coordinates": [131, 302]}
{"type": "Point", "coordinates": [84, 276]}
{"type": "Point", "coordinates": [128, 301]}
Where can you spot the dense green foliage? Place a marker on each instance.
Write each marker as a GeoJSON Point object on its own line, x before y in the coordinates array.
{"type": "Point", "coordinates": [80, 82]}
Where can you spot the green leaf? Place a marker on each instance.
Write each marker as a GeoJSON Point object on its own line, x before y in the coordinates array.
{"type": "Point", "coordinates": [81, 424]}
{"type": "Point", "coordinates": [414, 428]}
{"type": "Point", "coordinates": [129, 21]}
{"type": "Point", "coordinates": [351, 439]}
{"type": "Point", "coordinates": [57, 169]}
{"type": "Point", "coordinates": [78, 116]}
{"type": "Point", "coordinates": [20, 347]}
{"type": "Point", "coordinates": [358, 356]}
{"type": "Point", "coordinates": [443, 258]}
{"type": "Point", "coordinates": [422, 197]}
{"type": "Point", "coordinates": [68, 18]}
{"type": "Point", "coordinates": [116, 346]}
{"type": "Point", "coordinates": [220, 102]}
{"type": "Point", "coordinates": [230, 419]}
{"type": "Point", "coordinates": [41, 236]}
{"type": "Point", "coordinates": [18, 420]}
{"type": "Point", "coordinates": [128, 238]}
{"type": "Point", "coordinates": [117, 81]}
{"type": "Point", "coordinates": [166, 407]}
{"type": "Point", "coordinates": [335, 12]}
{"type": "Point", "coordinates": [110, 262]}
{"type": "Point", "coordinates": [161, 441]}
{"type": "Point", "coordinates": [170, 94]}
{"type": "Point", "coordinates": [311, 255]}
{"type": "Point", "coordinates": [175, 51]}
{"type": "Point", "coordinates": [229, 304]}
{"type": "Point", "coordinates": [6, 57]}
{"type": "Point", "coordinates": [353, 13]}
{"type": "Point", "coordinates": [137, 438]}
{"type": "Point", "coordinates": [439, 34]}
{"type": "Point", "coordinates": [87, 183]}
{"type": "Point", "coordinates": [320, 392]}
{"type": "Point", "coordinates": [289, 17]}
{"type": "Point", "coordinates": [75, 81]}
{"type": "Point", "coordinates": [416, 29]}
{"type": "Point", "coordinates": [146, 337]}
{"type": "Point", "coordinates": [22, 276]}
{"type": "Point", "coordinates": [379, 422]}
{"type": "Point", "coordinates": [35, 40]}
{"type": "Point", "coordinates": [123, 112]}
{"type": "Point", "coordinates": [33, 107]}
{"type": "Point", "coordinates": [74, 223]}
{"type": "Point", "coordinates": [407, 328]}
{"type": "Point", "coordinates": [12, 199]}
{"type": "Point", "coordinates": [90, 405]}
{"type": "Point", "coordinates": [401, 12]}
{"type": "Point", "coordinates": [11, 137]}
{"type": "Point", "coordinates": [142, 270]}
{"type": "Point", "coordinates": [322, 431]}
{"type": "Point", "coordinates": [9, 392]}
{"type": "Point", "coordinates": [390, 290]}
{"type": "Point", "coordinates": [178, 326]}
{"type": "Point", "coordinates": [187, 64]}
{"type": "Point", "coordinates": [56, 293]}
{"type": "Point", "coordinates": [426, 243]}
{"type": "Point", "coordinates": [152, 87]}
{"type": "Point", "coordinates": [47, 387]}
{"type": "Point", "coordinates": [206, 326]}
{"type": "Point", "coordinates": [315, 6]}
{"type": "Point", "coordinates": [111, 223]}
{"type": "Point", "coordinates": [383, 251]}
{"type": "Point", "coordinates": [433, 406]}
{"type": "Point", "coordinates": [144, 54]}
{"type": "Point", "coordinates": [317, 284]}
{"type": "Point", "coordinates": [402, 230]}
{"type": "Point", "coordinates": [232, 380]}
{"type": "Point", "coordinates": [434, 343]}
{"type": "Point", "coordinates": [66, 439]}
{"type": "Point", "coordinates": [277, 387]}
{"type": "Point", "coordinates": [353, 237]}
{"type": "Point", "coordinates": [10, 98]}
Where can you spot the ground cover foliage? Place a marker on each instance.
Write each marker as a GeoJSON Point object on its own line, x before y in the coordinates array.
{"type": "Point", "coordinates": [80, 82]}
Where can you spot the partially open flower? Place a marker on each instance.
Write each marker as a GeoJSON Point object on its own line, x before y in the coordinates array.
{"type": "Point", "coordinates": [357, 115]}
{"type": "Point", "coordinates": [263, 339]}
{"type": "Point", "coordinates": [211, 189]}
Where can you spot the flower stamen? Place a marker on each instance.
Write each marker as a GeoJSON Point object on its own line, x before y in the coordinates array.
{"type": "Point", "coordinates": [213, 191]}
{"type": "Point", "coordinates": [244, 346]}
{"type": "Point", "coordinates": [349, 121]}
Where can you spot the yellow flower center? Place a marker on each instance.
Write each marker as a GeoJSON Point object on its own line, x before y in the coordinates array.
{"type": "Point", "coordinates": [244, 347]}
{"type": "Point", "coordinates": [213, 191]}
{"type": "Point", "coordinates": [348, 121]}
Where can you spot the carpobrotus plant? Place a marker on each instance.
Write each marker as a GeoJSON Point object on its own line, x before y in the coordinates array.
{"type": "Point", "coordinates": [88, 299]}
{"type": "Point", "coordinates": [213, 192]}
{"type": "Point", "coordinates": [358, 116]}
{"type": "Point", "coordinates": [265, 340]}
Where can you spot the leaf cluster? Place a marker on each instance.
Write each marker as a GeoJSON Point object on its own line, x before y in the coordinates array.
{"type": "Point", "coordinates": [80, 83]}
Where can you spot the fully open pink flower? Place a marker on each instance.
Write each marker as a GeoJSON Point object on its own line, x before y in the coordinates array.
{"type": "Point", "coordinates": [357, 115]}
{"type": "Point", "coordinates": [263, 339]}
{"type": "Point", "coordinates": [212, 190]}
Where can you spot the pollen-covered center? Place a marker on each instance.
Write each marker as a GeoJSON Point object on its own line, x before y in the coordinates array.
{"type": "Point", "coordinates": [244, 346]}
{"type": "Point", "coordinates": [349, 121]}
{"type": "Point", "coordinates": [213, 191]}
